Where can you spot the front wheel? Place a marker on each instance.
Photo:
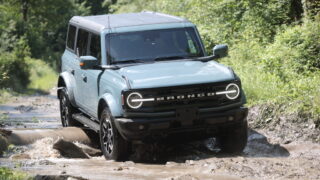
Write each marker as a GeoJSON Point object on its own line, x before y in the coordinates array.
{"type": "Point", "coordinates": [66, 110]}
{"type": "Point", "coordinates": [235, 140]}
{"type": "Point", "coordinates": [113, 145]}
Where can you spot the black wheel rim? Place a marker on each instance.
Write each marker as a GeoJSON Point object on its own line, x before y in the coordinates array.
{"type": "Point", "coordinates": [107, 136]}
{"type": "Point", "coordinates": [64, 111]}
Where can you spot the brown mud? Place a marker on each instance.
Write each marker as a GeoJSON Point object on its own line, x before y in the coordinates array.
{"type": "Point", "coordinates": [281, 152]}
{"type": "Point", "coordinates": [29, 136]}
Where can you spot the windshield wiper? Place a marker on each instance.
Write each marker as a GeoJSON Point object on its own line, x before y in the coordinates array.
{"type": "Point", "coordinates": [206, 58]}
{"type": "Point", "coordinates": [129, 61]}
{"type": "Point", "coordinates": [164, 58]}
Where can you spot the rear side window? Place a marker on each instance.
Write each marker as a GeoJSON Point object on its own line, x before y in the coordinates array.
{"type": "Point", "coordinates": [95, 48]}
{"type": "Point", "coordinates": [82, 42]}
{"type": "Point", "coordinates": [71, 37]}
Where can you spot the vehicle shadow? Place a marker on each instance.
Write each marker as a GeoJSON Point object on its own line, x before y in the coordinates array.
{"type": "Point", "coordinates": [257, 146]}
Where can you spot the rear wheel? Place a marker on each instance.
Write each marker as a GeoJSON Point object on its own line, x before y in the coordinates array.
{"type": "Point", "coordinates": [235, 140]}
{"type": "Point", "coordinates": [66, 110]}
{"type": "Point", "coordinates": [113, 145]}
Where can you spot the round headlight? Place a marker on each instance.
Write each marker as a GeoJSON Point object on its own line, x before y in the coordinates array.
{"type": "Point", "coordinates": [233, 91]}
{"type": "Point", "coordinates": [134, 100]}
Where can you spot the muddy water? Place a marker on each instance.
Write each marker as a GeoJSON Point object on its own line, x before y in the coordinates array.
{"type": "Point", "coordinates": [101, 169]}
{"type": "Point", "coordinates": [37, 111]}
{"type": "Point", "coordinates": [263, 158]}
{"type": "Point", "coordinates": [301, 161]}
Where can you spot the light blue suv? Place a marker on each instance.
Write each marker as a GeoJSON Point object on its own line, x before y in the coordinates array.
{"type": "Point", "coordinates": [145, 77]}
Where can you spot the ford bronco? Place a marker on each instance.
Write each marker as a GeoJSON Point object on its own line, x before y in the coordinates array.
{"type": "Point", "coordinates": [145, 77]}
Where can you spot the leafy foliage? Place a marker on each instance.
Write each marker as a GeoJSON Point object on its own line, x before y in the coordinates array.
{"type": "Point", "coordinates": [13, 66]}
{"type": "Point", "coordinates": [43, 77]}
{"type": "Point", "coordinates": [274, 45]}
{"type": "Point", "coordinates": [31, 30]}
{"type": "Point", "coordinates": [9, 174]}
{"type": "Point", "coordinates": [223, 21]}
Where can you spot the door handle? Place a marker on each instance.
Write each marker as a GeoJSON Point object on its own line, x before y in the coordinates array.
{"type": "Point", "coordinates": [84, 77]}
{"type": "Point", "coordinates": [72, 71]}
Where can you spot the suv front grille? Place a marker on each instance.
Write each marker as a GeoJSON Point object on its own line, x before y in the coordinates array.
{"type": "Point", "coordinates": [172, 98]}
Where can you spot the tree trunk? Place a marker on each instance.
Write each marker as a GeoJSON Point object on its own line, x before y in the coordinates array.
{"type": "Point", "coordinates": [296, 10]}
{"type": "Point", "coordinates": [24, 9]}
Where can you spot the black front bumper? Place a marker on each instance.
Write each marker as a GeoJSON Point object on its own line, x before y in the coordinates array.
{"type": "Point", "coordinates": [203, 122]}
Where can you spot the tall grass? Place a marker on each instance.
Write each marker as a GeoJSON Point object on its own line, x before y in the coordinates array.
{"type": "Point", "coordinates": [284, 72]}
{"type": "Point", "coordinates": [8, 174]}
{"type": "Point", "coordinates": [42, 76]}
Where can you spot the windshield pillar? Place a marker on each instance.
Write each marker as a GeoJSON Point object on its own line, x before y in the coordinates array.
{"type": "Point", "coordinates": [104, 59]}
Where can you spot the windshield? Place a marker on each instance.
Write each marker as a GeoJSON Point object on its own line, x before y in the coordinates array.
{"type": "Point", "coordinates": [143, 46]}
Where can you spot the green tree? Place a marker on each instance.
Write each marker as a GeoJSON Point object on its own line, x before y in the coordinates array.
{"type": "Point", "coordinates": [32, 28]}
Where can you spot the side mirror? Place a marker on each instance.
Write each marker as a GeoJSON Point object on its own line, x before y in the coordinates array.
{"type": "Point", "coordinates": [220, 50]}
{"type": "Point", "coordinates": [88, 62]}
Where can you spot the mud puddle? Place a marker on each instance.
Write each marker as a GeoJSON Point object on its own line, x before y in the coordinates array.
{"type": "Point", "coordinates": [36, 111]}
{"type": "Point", "coordinates": [260, 160]}
{"type": "Point", "coordinates": [266, 156]}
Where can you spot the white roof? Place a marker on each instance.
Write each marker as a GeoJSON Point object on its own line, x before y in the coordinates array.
{"type": "Point", "coordinates": [100, 22]}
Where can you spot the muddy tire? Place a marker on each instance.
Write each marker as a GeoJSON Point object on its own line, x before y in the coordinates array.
{"type": "Point", "coordinates": [112, 143]}
{"type": "Point", "coordinates": [235, 140]}
{"type": "Point", "coordinates": [66, 110]}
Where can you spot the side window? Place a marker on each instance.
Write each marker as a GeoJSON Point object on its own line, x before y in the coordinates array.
{"type": "Point", "coordinates": [82, 42]}
{"type": "Point", "coordinates": [95, 48]}
{"type": "Point", "coordinates": [71, 37]}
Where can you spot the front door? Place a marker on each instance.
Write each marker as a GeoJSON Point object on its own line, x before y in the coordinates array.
{"type": "Point", "coordinates": [89, 45]}
{"type": "Point", "coordinates": [80, 75]}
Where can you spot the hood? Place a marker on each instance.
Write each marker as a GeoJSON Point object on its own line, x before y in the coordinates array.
{"type": "Point", "coordinates": [175, 73]}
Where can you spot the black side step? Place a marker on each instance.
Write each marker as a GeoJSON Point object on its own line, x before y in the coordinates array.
{"type": "Point", "coordinates": [86, 121]}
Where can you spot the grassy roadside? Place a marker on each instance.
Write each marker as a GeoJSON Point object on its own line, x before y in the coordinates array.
{"type": "Point", "coordinates": [6, 94]}
{"type": "Point", "coordinates": [9, 174]}
{"type": "Point", "coordinates": [42, 79]}
{"type": "Point", "coordinates": [282, 75]}
{"type": "Point", "coordinates": [42, 76]}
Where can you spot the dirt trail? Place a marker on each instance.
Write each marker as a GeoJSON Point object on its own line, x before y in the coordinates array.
{"type": "Point", "coordinates": [262, 158]}
{"type": "Point", "coordinates": [36, 111]}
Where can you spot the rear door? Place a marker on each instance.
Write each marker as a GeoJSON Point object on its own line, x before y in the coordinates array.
{"type": "Point", "coordinates": [70, 62]}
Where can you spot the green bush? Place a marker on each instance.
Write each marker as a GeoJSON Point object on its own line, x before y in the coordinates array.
{"type": "Point", "coordinates": [296, 49]}
{"type": "Point", "coordinates": [222, 21]}
{"type": "Point", "coordinates": [18, 71]}
{"type": "Point", "coordinates": [260, 86]}
{"type": "Point", "coordinates": [13, 67]}
{"type": "Point", "coordinates": [42, 75]}
{"type": "Point", "coordinates": [284, 72]}
{"type": "Point", "coordinates": [8, 174]}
